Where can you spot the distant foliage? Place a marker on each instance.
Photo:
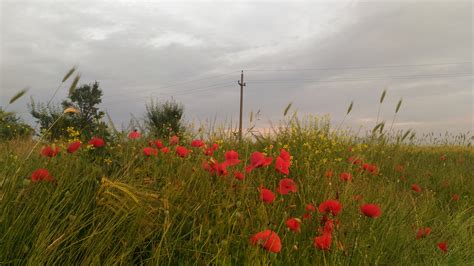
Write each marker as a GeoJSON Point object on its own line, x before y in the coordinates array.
{"type": "Point", "coordinates": [11, 126]}
{"type": "Point", "coordinates": [164, 119]}
{"type": "Point", "coordinates": [88, 119]}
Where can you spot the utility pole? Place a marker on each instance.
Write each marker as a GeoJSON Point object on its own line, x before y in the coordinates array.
{"type": "Point", "coordinates": [242, 84]}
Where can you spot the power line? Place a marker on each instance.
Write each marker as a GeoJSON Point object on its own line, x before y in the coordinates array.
{"type": "Point", "coordinates": [362, 78]}
{"type": "Point", "coordinates": [357, 67]}
{"type": "Point", "coordinates": [175, 84]}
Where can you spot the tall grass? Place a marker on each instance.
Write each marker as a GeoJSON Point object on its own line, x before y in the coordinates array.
{"type": "Point", "coordinates": [114, 206]}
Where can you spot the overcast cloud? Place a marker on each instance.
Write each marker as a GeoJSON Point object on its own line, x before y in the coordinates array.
{"type": "Point", "coordinates": [334, 49]}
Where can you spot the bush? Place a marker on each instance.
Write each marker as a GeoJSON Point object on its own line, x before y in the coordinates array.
{"type": "Point", "coordinates": [164, 119]}
{"type": "Point", "coordinates": [11, 126]}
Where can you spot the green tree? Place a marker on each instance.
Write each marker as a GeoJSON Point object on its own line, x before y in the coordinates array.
{"type": "Point", "coordinates": [88, 119]}
{"type": "Point", "coordinates": [85, 99]}
{"type": "Point", "coordinates": [12, 127]}
{"type": "Point", "coordinates": [164, 119]}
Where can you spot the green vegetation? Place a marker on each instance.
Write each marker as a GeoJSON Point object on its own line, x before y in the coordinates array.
{"type": "Point", "coordinates": [115, 205]}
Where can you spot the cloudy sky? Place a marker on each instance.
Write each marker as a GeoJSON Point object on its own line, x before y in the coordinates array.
{"type": "Point", "coordinates": [319, 55]}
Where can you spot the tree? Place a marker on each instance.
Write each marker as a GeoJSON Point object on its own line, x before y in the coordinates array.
{"type": "Point", "coordinates": [12, 127]}
{"type": "Point", "coordinates": [85, 99]}
{"type": "Point", "coordinates": [164, 119]}
{"type": "Point", "coordinates": [88, 120]}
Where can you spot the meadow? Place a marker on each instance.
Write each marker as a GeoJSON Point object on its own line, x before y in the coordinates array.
{"type": "Point", "coordinates": [303, 195]}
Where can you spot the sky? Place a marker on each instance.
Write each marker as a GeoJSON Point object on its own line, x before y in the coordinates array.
{"type": "Point", "coordinates": [318, 55]}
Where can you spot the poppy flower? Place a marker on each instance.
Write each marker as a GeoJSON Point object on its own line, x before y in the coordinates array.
{"type": "Point", "coordinates": [268, 239]}
{"type": "Point", "coordinates": [149, 151]}
{"type": "Point", "coordinates": [323, 242]}
{"type": "Point", "coordinates": [239, 175]}
{"type": "Point", "coordinates": [134, 135]}
{"type": "Point", "coordinates": [293, 224]}
{"type": "Point", "coordinates": [281, 166]}
{"type": "Point", "coordinates": [209, 152]}
{"type": "Point", "coordinates": [354, 160]}
{"type": "Point", "coordinates": [258, 159]}
{"type": "Point", "coordinates": [423, 232]}
{"type": "Point", "coordinates": [310, 207]}
{"type": "Point", "coordinates": [197, 143]}
{"type": "Point", "coordinates": [174, 140]}
{"type": "Point", "coordinates": [442, 157]}
{"type": "Point", "coordinates": [73, 146]}
{"type": "Point", "coordinates": [345, 176]}
{"type": "Point", "coordinates": [371, 210]}
{"type": "Point", "coordinates": [232, 158]}
{"type": "Point", "coordinates": [399, 168]}
{"type": "Point", "coordinates": [330, 206]}
{"type": "Point", "coordinates": [455, 197]}
{"type": "Point", "coordinates": [287, 185]}
{"type": "Point", "coordinates": [165, 150]}
{"type": "Point", "coordinates": [443, 246]}
{"type": "Point", "coordinates": [416, 188]}
{"type": "Point", "coordinates": [267, 195]}
{"type": "Point", "coordinates": [50, 151]}
{"type": "Point", "coordinates": [182, 151]}
{"type": "Point", "coordinates": [358, 197]}
{"type": "Point", "coordinates": [97, 142]}
{"type": "Point", "coordinates": [370, 168]}
{"type": "Point", "coordinates": [41, 174]}
{"type": "Point", "coordinates": [328, 226]}
{"type": "Point", "coordinates": [329, 173]}
{"type": "Point", "coordinates": [307, 216]}
{"type": "Point", "coordinates": [222, 169]}
{"type": "Point", "coordinates": [159, 144]}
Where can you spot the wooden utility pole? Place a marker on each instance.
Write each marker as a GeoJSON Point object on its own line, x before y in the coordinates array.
{"type": "Point", "coordinates": [242, 84]}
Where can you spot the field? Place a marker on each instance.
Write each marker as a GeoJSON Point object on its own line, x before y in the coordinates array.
{"type": "Point", "coordinates": [121, 204]}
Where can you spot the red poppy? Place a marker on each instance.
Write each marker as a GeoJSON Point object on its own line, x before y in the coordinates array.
{"type": "Point", "coordinates": [73, 146]}
{"type": "Point", "coordinates": [239, 175]}
{"type": "Point", "coordinates": [293, 224]}
{"type": "Point", "coordinates": [258, 159]}
{"type": "Point", "coordinates": [182, 151]}
{"type": "Point", "coordinates": [134, 135]}
{"type": "Point", "coordinates": [443, 246]}
{"type": "Point", "coordinates": [399, 168]}
{"type": "Point", "coordinates": [267, 195]}
{"type": "Point", "coordinates": [345, 176]}
{"type": "Point", "coordinates": [159, 144]}
{"type": "Point", "coordinates": [149, 151]}
{"type": "Point", "coordinates": [442, 157]}
{"type": "Point", "coordinates": [197, 143]}
{"type": "Point", "coordinates": [41, 174]}
{"type": "Point", "coordinates": [330, 206]}
{"type": "Point", "coordinates": [371, 210]}
{"type": "Point", "coordinates": [209, 152]}
{"type": "Point", "coordinates": [222, 169]}
{"type": "Point", "coordinates": [328, 226]}
{"type": "Point", "coordinates": [165, 150]}
{"type": "Point", "coordinates": [423, 232]}
{"type": "Point", "coordinates": [370, 168]}
{"type": "Point", "coordinates": [329, 173]}
{"type": "Point", "coordinates": [174, 140]}
{"type": "Point", "coordinates": [307, 216]}
{"type": "Point", "coordinates": [310, 207]}
{"type": "Point", "coordinates": [287, 185]}
{"type": "Point", "coordinates": [283, 162]}
{"type": "Point", "coordinates": [232, 158]}
{"type": "Point", "coordinates": [268, 239]}
{"type": "Point", "coordinates": [50, 151]}
{"type": "Point", "coordinates": [281, 166]}
{"type": "Point", "coordinates": [97, 142]}
{"type": "Point", "coordinates": [323, 242]}
{"type": "Point", "coordinates": [354, 160]}
{"type": "Point", "coordinates": [358, 197]}
{"type": "Point", "coordinates": [416, 188]}
{"type": "Point", "coordinates": [455, 197]}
